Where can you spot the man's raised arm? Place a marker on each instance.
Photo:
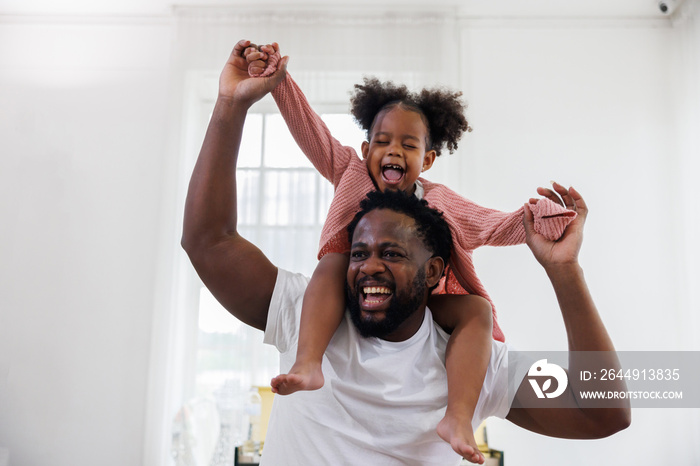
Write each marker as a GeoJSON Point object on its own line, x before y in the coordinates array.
{"type": "Point", "coordinates": [569, 416]}
{"type": "Point", "coordinates": [236, 272]}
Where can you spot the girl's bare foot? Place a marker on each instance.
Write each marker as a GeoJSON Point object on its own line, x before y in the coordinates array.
{"type": "Point", "coordinates": [457, 431]}
{"type": "Point", "coordinates": [300, 377]}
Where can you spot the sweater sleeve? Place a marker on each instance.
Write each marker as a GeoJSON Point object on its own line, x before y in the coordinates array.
{"type": "Point", "coordinates": [312, 135]}
{"type": "Point", "coordinates": [475, 226]}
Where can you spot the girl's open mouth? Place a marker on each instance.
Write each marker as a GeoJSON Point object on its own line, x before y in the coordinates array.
{"type": "Point", "coordinates": [392, 174]}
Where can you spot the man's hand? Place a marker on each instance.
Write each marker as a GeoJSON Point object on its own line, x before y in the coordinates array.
{"type": "Point", "coordinates": [237, 85]}
{"type": "Point", "coordinates": [565, 250]}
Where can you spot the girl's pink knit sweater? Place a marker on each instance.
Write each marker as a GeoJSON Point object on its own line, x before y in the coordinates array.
{"type": "Point", "coordinates": [472, 226]}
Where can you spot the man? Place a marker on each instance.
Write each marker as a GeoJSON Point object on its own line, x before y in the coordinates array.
{"type": "Point", "coordinates": [384, 391]}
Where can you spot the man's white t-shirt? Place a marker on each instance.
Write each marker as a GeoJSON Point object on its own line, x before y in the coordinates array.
{"type": "Point", "coordinates": [381, 400]}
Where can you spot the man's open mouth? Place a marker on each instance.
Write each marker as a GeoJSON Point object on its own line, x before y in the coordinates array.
{"type": "Point", "coordinates": [374, 296]}
{"type": "Point", "coordinates": [392, 174]}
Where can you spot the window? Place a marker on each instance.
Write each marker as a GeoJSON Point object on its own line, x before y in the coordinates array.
{"type": "Point", "coordinates": [282, 203]}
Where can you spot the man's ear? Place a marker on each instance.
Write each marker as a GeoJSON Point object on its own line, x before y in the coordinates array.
{"type": "Point", "coordinates": [434, 272]}
{"type": "Point", "coordinates": [365, 150]}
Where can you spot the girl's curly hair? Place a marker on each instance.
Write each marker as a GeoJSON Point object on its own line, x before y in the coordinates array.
{"type": "Point", "coordinates": [442, 110]}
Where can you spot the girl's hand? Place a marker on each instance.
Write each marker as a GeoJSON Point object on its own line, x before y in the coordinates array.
{"type": "Point", "coordinates": [264, 60]}
{"type": "Point", "coordinates": [257, 58]}
{"type": "Point", "coordinates": [564, 251]}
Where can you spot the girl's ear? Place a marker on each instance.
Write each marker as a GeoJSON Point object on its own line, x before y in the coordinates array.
{"type": "Point", "coordinates": [365, 149]}
{"type": "Point", "coordinates": [428, 160]}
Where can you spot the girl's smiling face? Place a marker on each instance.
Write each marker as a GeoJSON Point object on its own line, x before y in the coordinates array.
{"type": "Point", "coordinates": [396, 152]}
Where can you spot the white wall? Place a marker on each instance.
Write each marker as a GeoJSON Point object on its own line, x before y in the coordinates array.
{"type": "Point", "coordinates": [592, 106]}
{"type": "Point", "coordinates": [86, 154]}
{"type": "Point", "coordinates": [83, 130]}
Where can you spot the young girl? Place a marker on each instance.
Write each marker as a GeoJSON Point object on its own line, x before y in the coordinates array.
{"type": "Point", "coordinates": [405, 133]}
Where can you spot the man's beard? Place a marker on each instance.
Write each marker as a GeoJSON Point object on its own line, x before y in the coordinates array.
{"type": "Point", "coordinates": [402, 306]}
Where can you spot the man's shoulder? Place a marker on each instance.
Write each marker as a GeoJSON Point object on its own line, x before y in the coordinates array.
{"type": "Point", "coordinates": [289, 288]}
{"type": "Point", "coordinates": [284, 312]}
{"type": "Point", "coordinates": [441, 336]}
{"type": "Point", "coordinates": [290, 282]}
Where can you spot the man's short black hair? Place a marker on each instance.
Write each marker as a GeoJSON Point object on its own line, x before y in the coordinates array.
{"type": "Point", "coordinates": [431, 226]}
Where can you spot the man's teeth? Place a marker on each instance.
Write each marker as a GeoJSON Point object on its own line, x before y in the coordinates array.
{"type": "Point", "coordinates": [373, 294]}
{"type": "Point", "coordinates": [376, 290]}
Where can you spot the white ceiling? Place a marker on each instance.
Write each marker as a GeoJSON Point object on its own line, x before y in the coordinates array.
{"type": "Point", "coordinates": [469, 8]}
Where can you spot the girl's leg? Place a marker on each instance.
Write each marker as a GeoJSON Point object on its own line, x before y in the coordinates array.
{"type": "Point", "coordinates": [469, 319]}
{"type": "Point", "coordinates": [321, 313]}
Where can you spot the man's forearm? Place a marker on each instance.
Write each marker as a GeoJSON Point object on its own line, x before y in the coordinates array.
{"type": "Point", "coordinates": [590, 345]}
{"type": "Point", "coordinates": [584, 328]}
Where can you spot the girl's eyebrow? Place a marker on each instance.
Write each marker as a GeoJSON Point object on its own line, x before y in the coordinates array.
{"type": "Point", "coordinates": [405, 136]}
